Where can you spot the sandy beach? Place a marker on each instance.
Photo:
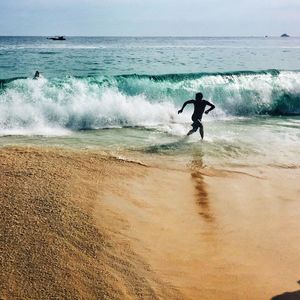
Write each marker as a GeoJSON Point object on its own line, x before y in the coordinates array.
{"type": "Point", "coordinates": [91, 225]}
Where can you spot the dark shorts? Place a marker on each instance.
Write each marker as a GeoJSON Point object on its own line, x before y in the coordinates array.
{"type": "Point", "coordinates": [196, 124]}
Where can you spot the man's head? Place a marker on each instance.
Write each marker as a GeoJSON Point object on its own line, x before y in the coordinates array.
{"type": "Point", "coordinates": [199, 96]}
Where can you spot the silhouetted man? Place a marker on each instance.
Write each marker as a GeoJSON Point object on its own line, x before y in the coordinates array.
{"type": "Point", "coordinates": [199, 107]}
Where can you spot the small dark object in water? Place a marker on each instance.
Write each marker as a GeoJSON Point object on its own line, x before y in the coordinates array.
{"type": "Point", "coordinates": [57, 38]}
{"type": "Point", "coordinates": [284, 35]}
{"type": "Point", "coordinates": [36, 75]}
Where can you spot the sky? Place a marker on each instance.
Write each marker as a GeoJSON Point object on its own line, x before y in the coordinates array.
{"type": "Point", "coordinates": [150, 17]}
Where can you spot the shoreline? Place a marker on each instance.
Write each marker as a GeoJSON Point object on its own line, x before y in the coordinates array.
{"type": "Point", "coordinates": [87, 224]}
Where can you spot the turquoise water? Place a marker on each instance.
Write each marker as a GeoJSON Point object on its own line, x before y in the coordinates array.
{"type": "Point", "coordinates": [94, 56]}
{"type": "Point", "coordinates": [122, 94]}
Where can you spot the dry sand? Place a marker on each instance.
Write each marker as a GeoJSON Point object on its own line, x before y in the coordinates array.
{"type": "Point", "coordinates": [83, 225]}
{"type": "Point", "coordinates": [51, 245]}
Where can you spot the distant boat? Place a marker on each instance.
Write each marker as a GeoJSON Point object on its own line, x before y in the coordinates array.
{"type": "Point", "coordinates": [57, 38]}
{"type": "Point", "coordinates": [284, 35]}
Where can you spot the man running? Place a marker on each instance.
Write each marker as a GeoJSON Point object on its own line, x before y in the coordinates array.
{"type": "Point", "coordinates": [199, 107]}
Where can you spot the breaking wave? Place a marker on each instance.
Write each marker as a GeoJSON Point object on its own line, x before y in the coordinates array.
{"type": "Point", "coordinates": [141, 100]}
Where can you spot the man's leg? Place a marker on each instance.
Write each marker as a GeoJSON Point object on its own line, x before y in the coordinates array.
{"type": "Point", "coordinates": [194, 129]}
{"type": "Point", "coordinates": [191, 131]}
{"type": "Point", "coordinates": [201, 130]}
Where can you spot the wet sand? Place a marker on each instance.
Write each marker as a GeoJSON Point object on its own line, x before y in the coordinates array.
{"type": "Point", "coordinates": [85, 225]}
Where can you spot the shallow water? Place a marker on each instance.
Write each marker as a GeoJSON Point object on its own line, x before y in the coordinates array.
{"type": "Point", "coordinates": [266, 141]}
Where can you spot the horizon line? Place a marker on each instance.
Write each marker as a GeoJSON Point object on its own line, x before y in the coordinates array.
{"type": "Point", "coordinates": [154, 36]}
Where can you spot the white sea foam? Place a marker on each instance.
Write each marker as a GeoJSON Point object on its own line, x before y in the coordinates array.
{"type": "Point", "coordinates": [68, 104]}
{"type": "Point", "coordinates": [37, 106]}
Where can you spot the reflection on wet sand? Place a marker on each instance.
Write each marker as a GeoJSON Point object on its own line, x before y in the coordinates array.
{"type": "Point", "coordinates": [201, 190]}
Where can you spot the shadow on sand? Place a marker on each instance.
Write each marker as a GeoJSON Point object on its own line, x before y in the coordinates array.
{"type": "Point", "coordinates": [288, 295]}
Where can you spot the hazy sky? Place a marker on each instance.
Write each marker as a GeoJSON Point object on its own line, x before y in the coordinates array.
{"type": "Point", "coordinates": [150, 17]}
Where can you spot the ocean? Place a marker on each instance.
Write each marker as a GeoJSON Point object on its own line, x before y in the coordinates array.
{"type": "Point", "coordinates": [122, 94]}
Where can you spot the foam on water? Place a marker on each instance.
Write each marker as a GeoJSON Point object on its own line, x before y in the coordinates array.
{"type": "Point", "coordinates": [75, 104]}
{"type": "Point", "coordinates": [35, 106]}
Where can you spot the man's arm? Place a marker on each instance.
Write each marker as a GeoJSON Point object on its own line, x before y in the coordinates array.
{"type": "Point", "coordinates": [211, 107]}
{"type": "Point", "coordinates": [184, 104]}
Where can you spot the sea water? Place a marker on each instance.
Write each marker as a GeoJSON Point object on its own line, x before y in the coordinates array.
{"type": "Point", "coordinates": [123, 94]}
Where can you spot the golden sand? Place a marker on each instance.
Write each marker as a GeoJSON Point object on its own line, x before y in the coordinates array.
{"type": "Point", "coordinates": [84, 225]}
{"type": "Point", "coordinates": [52, 245]}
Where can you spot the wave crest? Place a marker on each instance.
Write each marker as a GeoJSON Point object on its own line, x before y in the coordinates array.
{"type": "Point", "coordinates": [141, 100]}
